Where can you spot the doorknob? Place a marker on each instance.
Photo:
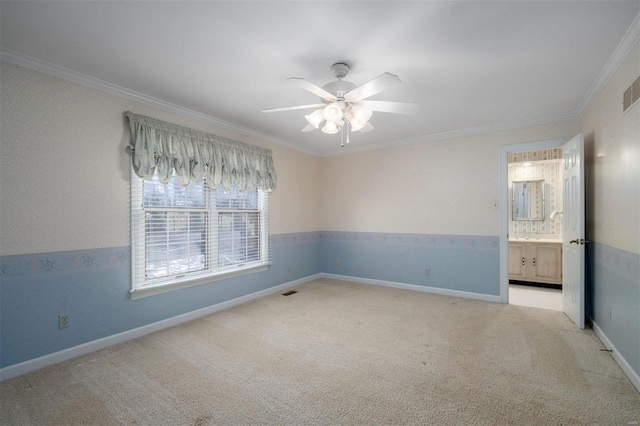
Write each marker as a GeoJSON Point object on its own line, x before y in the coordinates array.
{"type": "Point", "coordinates": [580, 241]}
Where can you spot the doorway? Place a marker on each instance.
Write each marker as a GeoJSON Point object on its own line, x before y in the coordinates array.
{"type": "Point", "coordinates": [533, 232]}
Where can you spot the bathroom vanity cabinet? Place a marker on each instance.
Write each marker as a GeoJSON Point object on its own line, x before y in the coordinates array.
{"type": "Point", "coordinates": [535, 261]}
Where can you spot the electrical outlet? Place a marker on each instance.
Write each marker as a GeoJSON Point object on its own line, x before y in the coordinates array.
{"type": "Point", "coordinates": [289, 269]}
{"type": "Point", "coordinates": [609, 313]}
{"type": "Point", "coordinates": [63, 320]}
{"type": "Point", "coordinates": [427, 272]}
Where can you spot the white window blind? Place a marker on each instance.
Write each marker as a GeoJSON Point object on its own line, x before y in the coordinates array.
{"type": "Point", "coordinates": [183, 234]}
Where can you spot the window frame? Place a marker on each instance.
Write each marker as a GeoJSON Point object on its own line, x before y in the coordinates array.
{"type": "Point", "coordinates": [140, 287]}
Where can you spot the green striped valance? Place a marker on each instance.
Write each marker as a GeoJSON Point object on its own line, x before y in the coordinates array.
{"type": "Point", "coordinates": [164, 148]}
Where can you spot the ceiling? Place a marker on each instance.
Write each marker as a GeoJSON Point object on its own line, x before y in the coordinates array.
{"type": "Point", "coordinates": [469, 65]}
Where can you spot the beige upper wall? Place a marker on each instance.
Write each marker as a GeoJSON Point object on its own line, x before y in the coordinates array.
{"type": "Point", "coordinates": [612, 148]}
{"type": "Point", "coordinates": [65, 177]}
{"type": "Point", "coordinates": [440, 187]}
{"type": "Point", "coordinates": [64, 174]}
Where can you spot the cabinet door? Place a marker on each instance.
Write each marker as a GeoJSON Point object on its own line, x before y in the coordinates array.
{"type": "Point", "coordinates": [517, 261]}
{"type": "Point", "coordinates": [546, 263]}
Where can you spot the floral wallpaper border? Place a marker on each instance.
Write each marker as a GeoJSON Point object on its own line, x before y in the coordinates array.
{"type": "Point", "coordinates": [623, 262]}
{"type": "Point", "coordinates": [415, 240]}
{"type": "Point", "coordinates": [46, 264]}
{"type": "Point", "coordinates": [539, 155]}
{"type": "Point", "coordinates": [41, 264]}
{"type": "Point", "coordinates": [294, 238]}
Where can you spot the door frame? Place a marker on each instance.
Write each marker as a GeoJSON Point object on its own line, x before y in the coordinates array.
{"type": "Point", "coordinates": [504, 206]}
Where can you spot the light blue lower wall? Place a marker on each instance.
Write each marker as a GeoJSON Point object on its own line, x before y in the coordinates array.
{"type": "Point", "coordinates": [614, 283]}
{"type": "Point", "coordinates": [455, 262]}
{"type": "Point", "coordinates": [92, 287]}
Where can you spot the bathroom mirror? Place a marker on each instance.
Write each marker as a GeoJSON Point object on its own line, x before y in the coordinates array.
{"type": "Point", "coordinates": [528, 200]}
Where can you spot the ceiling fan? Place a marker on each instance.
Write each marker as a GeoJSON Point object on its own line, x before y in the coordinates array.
{"type": "Point", "coordinates": [344, 106]}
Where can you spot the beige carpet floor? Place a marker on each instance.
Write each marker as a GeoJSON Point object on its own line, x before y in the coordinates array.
{"type": "Point", "coordinates": [340, 353]}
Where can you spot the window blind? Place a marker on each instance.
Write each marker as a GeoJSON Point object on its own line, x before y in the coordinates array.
{"type": "Point", "coordinates": [181, 233]}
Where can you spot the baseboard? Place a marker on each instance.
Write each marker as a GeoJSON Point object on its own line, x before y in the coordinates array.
{"type": "Point", "coordinates": [622, 362]}
{"type": "Point", "coordinates": [85, 348]}
{"type": "Point", "coordinates": [414, 287]}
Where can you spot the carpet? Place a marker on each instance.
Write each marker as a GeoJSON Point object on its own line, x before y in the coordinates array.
{"type": "Point", "coordinates": [339, 353]}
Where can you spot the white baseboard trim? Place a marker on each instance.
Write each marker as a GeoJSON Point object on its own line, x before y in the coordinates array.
{"type": "Point", "coordinates": [414, 287]}
{"type": "Point", "coordinates": [85, 348]}
{"type": "Point", "coordinates": [622, 362]}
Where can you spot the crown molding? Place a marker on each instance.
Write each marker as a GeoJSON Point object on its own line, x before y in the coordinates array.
{"type": "Point", "coordinates": [631, 37]}
{"type": "Point", "coordinates": [572, 116]}
{"type": "Point", "coordinates": [622, 50]}
{"type": "Point", "coordinates": [114, 89]}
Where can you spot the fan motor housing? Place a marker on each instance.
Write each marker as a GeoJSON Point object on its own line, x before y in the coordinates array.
{"type": "Point", "coordinates": [339, 88]}
{"type": "Point", "coordinates": [340, 69]}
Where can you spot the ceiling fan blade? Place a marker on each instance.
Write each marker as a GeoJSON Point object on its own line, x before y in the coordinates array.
{"type": "Point", "coordinates": [308, 128]}
{"type": "Point", "coordinates": [393, 107]}
{"type": "Point", "coordinates": [367, 128]}
{"type": "Point", "coordinates": [377, 85]}
{"type": "Point", "coordinates": [314, 89]}
{"type": "Point", "coordinates": [294, 108]}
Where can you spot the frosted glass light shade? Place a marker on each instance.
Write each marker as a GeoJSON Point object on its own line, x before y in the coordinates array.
{"type": "Point", "coordinates": [315, 118]}
{"type": "Point", "coordinates": [333, 111]}
{"type": "Point", "coordinates": [330, 128]}
{"type": "Point", "coordinates": [359, 113]}
{"type": "Point", "coordinates": [357, 125]}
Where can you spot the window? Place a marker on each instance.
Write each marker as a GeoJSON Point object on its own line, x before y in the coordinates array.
{"type": "Point", "coordinates": [187, 235]}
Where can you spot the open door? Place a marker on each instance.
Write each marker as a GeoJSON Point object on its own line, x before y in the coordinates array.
{"type": "Point", "coordinates": [573, 242]}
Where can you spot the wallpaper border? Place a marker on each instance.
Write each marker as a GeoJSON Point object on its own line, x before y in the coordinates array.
{"type": "Point", "coordinates": [623, 262]}
{"type": "Point", "coordinates": [479, 242]}
{"type": "Point", "coordinates": [47, 264]}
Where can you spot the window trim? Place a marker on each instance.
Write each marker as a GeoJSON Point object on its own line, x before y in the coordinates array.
{"type": "Point", "coordinates": [203, 277]}
{"type": "Point", "coordinates": [186, 282]}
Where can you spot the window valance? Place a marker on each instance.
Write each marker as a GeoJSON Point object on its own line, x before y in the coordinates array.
{"type": "Point", "coordinates": [165, 148]}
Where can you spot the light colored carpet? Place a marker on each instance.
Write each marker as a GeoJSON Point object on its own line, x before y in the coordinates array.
{"type": "Point", "coordinates": [340, 353]}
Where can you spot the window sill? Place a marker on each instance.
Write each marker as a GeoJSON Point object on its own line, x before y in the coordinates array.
{"type": "Point", "coordinates": [152, 290]}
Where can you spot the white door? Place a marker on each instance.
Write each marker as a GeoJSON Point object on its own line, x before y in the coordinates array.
{"type": "Point", "coordinates": [573, 242]}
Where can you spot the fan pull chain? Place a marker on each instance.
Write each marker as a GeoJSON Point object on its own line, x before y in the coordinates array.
{"type": "Point", "coordinates": [344, 129]}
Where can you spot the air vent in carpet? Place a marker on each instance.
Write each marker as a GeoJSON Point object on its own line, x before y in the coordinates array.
{"type": "Point", "coordinates": [289, 293]}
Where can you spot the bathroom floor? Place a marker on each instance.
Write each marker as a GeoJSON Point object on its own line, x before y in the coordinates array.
{"type": "Point", "coordinates": [535, 297]}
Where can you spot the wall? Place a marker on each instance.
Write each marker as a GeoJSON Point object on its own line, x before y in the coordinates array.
{"type": "Point", "coordinates": [387, 215]}
{"type": "Point", "coordinates": [64, 220]}
{"type": "Point", "coordinates": [612, 149]}
{"type": "Point", "coordinates": [429, 205]}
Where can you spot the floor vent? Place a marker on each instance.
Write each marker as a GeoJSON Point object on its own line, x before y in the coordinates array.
{"type": "Point", "coordinates": [631, 95]}
{"type": "Point", "coordinates": [289, 293]}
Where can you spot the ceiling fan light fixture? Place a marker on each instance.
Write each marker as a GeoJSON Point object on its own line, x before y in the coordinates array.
{"type": "Point", "coordinates": [315, 118]}
{"type": "Point", "coordinates": [359, 113]}
{"type": "Point", "coordinates": [330, 128]}
{"type": "Point", "coordinates": [344, 106]}
{"type": "Point", "coordinates": [334, 111]}
{"type": "Point", "coordinates": [357, 124]}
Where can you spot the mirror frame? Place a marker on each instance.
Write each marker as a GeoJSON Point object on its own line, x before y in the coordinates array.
{"type": "Point", "coordinates": [541, 217]}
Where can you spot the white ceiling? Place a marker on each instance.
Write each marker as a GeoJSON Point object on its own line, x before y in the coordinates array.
{"type": "Point", "coordinates": [469, 65]}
